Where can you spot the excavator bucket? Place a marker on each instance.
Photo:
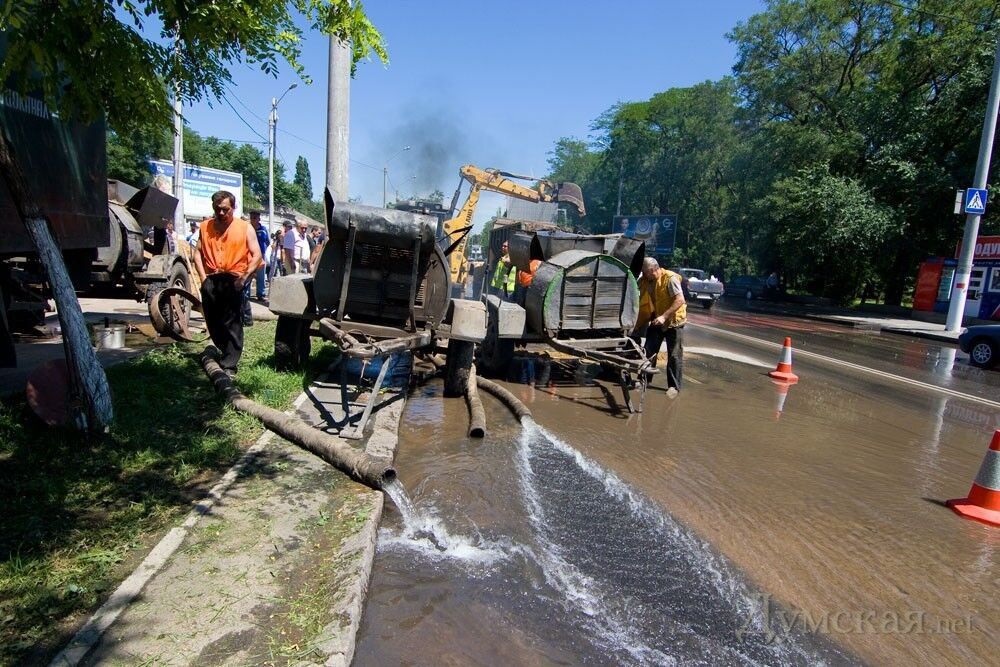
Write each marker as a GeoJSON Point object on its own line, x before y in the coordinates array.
{"type": "Point", "coordinates": [570, 193]}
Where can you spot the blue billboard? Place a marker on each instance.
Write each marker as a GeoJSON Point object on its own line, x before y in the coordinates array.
{"type": "Point", "coordinates": [658, 231]}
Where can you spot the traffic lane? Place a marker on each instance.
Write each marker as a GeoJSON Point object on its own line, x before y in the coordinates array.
{"type": "Point", "coordinates": [827, 496]}
{"type": "Point", "coordinates": [918, 359]}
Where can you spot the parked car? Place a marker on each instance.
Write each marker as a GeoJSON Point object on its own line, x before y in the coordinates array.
{"type": "Point", "coordinates": [982, 343]}
{"type": "Point", "coordinates": [746, 287]}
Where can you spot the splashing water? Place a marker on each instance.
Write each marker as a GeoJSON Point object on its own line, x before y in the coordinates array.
{"type": "Point", "coordinates": [626, 576]}
{"type": "Point", "coordinates": [426, 533]}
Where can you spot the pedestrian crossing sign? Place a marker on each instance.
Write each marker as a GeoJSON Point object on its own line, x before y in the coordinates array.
{"type": "Point", "coordinates": [975, 201]}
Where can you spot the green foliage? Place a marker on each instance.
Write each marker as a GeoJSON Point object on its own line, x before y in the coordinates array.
{"type": "Point", "coordinates": [75, 510]}
{"type": "Point", "coordinates": [845, 130]}
{"type": "Point", "coordinates": [840, 223]}
{"type": "Point", "coordinates": [94, 58]}
{"type": "Point", "coordinates": [303, 178]}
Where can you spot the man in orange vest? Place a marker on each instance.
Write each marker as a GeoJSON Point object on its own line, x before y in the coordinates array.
{"type": "Point", "coordinates": [228, 256]}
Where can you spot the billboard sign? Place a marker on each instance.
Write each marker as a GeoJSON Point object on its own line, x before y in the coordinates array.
{"type": "Point", "coordinates": [200, 183]}
{"type": "Point", "coordinates": [658, 231]}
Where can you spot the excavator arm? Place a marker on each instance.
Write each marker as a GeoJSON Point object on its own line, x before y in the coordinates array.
{"type": "Point", "coordinates": [457, 228]}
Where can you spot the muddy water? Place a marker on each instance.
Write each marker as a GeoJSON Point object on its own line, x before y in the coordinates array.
{"type": "Point", "coordinates": [519, 550]}
{"type": "Point", "coordinates": [827, 496]}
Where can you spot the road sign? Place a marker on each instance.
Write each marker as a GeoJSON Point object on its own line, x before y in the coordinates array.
{"type": "Point", "coordinates": [975, 201]}
{"type": "Point", "coordinates": [658, 231]}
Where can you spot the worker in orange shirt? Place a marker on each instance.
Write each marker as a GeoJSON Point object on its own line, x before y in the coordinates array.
{"type": "Point", "coordinates": [228, 256]}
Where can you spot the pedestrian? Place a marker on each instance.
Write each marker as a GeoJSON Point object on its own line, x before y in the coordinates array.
{"type": "Point", "coordinates": [228, 255]}
{"type": "Point", "coordinates": [192, 236]}
{"type": "Point", "coordinates": [663, 313]}
{"type": "Point", "coordinates": [264, 241]}
{"type": "Point", "coordinates": [277, 266]}
{"type": "Point", "coordinates": [302, 248]}
{"type": "Point", "coordinates": [505, 274]}
{"type": "Point", "coordinates": [288, 248]}
{"type": "Point", "coordinates": [314, 254]}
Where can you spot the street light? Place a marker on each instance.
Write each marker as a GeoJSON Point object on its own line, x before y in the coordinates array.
{"type": "Point", "coordinates": [385, 172]}
{"type": "Point", "coordinates": [272, 126]}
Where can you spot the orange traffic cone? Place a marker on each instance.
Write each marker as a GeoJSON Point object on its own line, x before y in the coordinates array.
{"type": "Point", "coordinates": [983, 503]}
{"type": "Point", "coordinates": [784, 369]}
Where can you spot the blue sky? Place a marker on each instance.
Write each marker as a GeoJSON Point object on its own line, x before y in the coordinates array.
{"type": "Point", "coordinates": [491, 84]}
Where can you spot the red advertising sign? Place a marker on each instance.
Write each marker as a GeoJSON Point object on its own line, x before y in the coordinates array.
{"type": "Point", "coordinates": [987, 247]}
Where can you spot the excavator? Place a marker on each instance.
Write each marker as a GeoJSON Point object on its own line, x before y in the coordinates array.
{"type": "Point", "coordinates": [457, 229]}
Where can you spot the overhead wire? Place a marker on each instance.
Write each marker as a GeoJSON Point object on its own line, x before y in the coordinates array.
{"type": "Point", "coordinates": [230, 105]}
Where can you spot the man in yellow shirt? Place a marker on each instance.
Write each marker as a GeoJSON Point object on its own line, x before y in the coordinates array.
{"type": "Point", "coordinates": [663, 312]}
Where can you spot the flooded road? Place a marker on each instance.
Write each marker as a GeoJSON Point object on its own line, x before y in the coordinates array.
{"type": "Point", "coordinates": [735, 524]}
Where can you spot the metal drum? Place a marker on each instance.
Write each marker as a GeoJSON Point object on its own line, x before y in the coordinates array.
{"type": "Point", "coordinates": [391, 258]}
{"type": "Point", "coordinates": [582, 294]}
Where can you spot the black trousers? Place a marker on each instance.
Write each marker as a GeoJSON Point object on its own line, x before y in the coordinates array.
{"type": "Point", "coordinates": [675, 351]}
{"type": "Point", "coordinates": [223, 306]}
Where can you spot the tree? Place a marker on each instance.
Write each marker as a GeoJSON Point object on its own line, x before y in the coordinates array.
{"type": "Point", "coordinates": [303, 178]}
{"type": "Point", "coordinates": [77, 54]}
{"type": "Point", "coordinates": [88, 60]}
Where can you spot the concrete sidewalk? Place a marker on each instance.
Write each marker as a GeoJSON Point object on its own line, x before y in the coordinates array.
{"type": "Point", "coordinates": [276, 569]}
{"type": "Point", "coordinates": [921, 325]}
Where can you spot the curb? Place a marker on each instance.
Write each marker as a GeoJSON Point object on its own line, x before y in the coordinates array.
{"type": "Point", "coordinates": [345, 608]}
{"type": "Point", "coordinates": [90, 634]}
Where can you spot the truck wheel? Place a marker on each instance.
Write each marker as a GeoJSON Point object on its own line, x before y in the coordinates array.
{"type": "Point", "coordinates": [707, 305]}
{"type": "Point", "coordinates": [179, 277]}
{"type": "Point", "coordinates": [291, 342]}
{"type": "Point", "coordinates": [456, 377]}
{"type": "Point", "coordinates": [984, 353]}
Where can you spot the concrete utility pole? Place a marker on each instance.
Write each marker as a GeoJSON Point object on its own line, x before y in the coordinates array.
{"type": "Point", "coordinates": [960, 289]}
{"type": "Point", "coordinates": [338, 118]}
{"type": "Point", "coordinates": [272, 128]}
{"type": "Point", "coordinates": [178, 187]}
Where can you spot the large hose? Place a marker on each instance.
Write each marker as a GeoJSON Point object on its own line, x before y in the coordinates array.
{"type": "Point", "coordinates": [357, 465]}
{"type": "Point", "coordinates": [477, 416]}
{"type": "Point", "coordinates": [519, 409]}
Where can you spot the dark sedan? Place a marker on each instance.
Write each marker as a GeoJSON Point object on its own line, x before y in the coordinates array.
{"type": "Point", "coordinates": [982, 343]}
{"type": "Point", "coordinates": [746, 287]}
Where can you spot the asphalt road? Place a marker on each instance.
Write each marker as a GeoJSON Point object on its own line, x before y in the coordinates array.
{"type": "Point", "coordinates": [816, 509]}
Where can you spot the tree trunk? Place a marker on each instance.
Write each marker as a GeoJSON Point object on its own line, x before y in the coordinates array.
{"type": "Point", "coordinates": [87, 378]}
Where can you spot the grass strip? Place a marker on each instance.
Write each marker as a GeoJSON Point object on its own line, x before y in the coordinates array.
{"type": "Point", "coordinates": [74, 510]}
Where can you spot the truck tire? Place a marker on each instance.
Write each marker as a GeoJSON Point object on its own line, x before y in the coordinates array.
{"type": "Point", "coordinates": [707, 305]}
{"type": "Point", "coordinates": [179, 276]}
{"type": "Point", "coordinates": [291, 342]}
{"type": "Point", "coordinates": [495, 353]}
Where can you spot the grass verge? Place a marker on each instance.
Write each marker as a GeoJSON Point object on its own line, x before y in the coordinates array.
{"type": "Point", "coordinates": [75, 510]}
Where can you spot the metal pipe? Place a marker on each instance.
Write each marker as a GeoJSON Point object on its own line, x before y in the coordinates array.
{"type": "Point", "coordinates": [960, 290]}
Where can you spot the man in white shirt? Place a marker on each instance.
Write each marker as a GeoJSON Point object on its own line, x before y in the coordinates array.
{"type": "Point", "coordinates": [288, 248]}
